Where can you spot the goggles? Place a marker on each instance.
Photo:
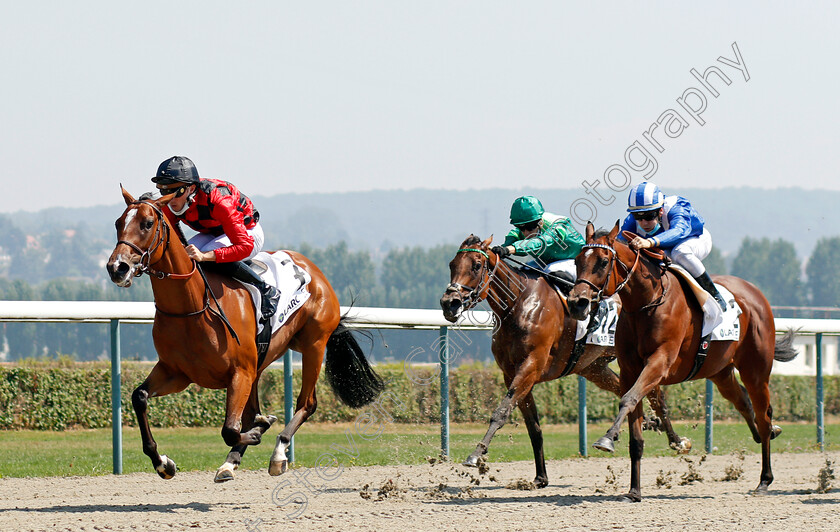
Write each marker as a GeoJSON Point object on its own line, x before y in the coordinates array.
{"type": "Point", "coordinates": [179, 191]}
{"type": "Point", "coordinates": [645, 215]}
{"type": "Point", "coordinates": [530, 226]}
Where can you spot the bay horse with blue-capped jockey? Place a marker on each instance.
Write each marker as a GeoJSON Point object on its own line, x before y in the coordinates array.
{"type": "Point", "coordinates": [205, 333]}
{"type": "Point", "coordinates": [658, 339]}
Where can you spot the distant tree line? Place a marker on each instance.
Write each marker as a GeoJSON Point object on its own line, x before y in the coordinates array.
{"type": "Point", "coordinates": [410, 277]}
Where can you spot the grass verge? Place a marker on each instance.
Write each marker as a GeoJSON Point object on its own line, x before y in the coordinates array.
{"type": "Point", "coordinates": [88, 452]}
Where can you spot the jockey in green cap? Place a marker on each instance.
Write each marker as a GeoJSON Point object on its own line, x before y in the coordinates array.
{"type": "Point", "coordinates": [550, 239]}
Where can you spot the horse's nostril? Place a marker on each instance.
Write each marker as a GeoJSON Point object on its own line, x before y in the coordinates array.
{"type": "Point", "coordinates": [123, 268]}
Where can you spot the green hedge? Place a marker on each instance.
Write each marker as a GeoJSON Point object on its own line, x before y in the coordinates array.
{"type": "Point", "coordinates": [78, 396]}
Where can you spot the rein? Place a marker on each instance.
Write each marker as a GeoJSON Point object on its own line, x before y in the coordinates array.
{"type": "Point", "coordinates": [543, 273]}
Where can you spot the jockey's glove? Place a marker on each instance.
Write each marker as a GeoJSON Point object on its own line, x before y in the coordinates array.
{"type": "Point", "coordinates": [501, 251]}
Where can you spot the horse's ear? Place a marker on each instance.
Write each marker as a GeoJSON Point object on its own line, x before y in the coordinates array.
{"type": "Point", "coordinates": [162, 202]}
{"type": "Point", "coordinates": [129, 199]}
{"type": "Point", "coordinates": [590, 230]}
{"type": "Point", "coordinates": [614, 230]}
{"type": "Point", "coordinates": [488, 241]}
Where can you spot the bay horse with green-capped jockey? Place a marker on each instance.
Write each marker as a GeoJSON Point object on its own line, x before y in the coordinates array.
{"type": "Point", "coordinates": [205, 333]}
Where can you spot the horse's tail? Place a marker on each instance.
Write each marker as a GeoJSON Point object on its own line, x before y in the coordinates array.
{"type": "Point", "coordinates": [784, 347]}
{"type": "Point", "coordinates": [348, 372]}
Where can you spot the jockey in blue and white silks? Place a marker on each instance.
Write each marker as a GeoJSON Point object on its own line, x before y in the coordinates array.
{"type": "Point", "coordinates": [671, 224]}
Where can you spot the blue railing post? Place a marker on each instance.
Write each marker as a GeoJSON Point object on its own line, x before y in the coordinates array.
{"type": "Point", "coordinates": [116, 398]}
{"type": "Point", "coordinates": [288, 385]}
{"type": "Point", "coordinates": [820, 397]}
{"type": "Point", "coordinates": [710, 412]}
{"type": "Point", "coordinates": [444, 390]}
{"type": "Point", "coordinates": [582, 416]}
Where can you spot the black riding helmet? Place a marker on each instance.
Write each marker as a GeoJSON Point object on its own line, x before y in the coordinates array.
{"type": "Point", "coordinates": [176, 170]}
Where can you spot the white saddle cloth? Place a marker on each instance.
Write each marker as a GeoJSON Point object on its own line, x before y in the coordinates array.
{"type": "Point", "coordinates": [280, 271]}
{"type": "Point", "coordinates": [723, 325]}
{"type": "Point", "coordinates": [606, 319]}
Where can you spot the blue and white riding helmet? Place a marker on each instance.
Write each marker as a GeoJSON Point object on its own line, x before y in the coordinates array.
{"type": "Point", "coordinates": [645, 196]}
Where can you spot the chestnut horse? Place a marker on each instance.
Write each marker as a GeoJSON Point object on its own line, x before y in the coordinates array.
{"type": "Point", "coordinates": [658, 338]}
{"type": "Point", "coordinates": [195, 344]}
{"type": "Point", "coordinates": [532, 342]}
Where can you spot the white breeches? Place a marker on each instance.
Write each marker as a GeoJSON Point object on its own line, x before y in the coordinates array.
{"type": "Point", "coordinates": [208, 242]}
{"type": "Point", "coordinates": [690, 254]}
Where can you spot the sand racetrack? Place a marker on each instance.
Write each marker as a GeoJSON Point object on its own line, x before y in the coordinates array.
{"type": "Point", "coordinates": [582, 494]}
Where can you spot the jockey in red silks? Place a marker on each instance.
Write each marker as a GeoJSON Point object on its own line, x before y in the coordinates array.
{"type": "Point", "coordinates": [671, 224]}
{"type": "Point", "coordinates": [228, 225]}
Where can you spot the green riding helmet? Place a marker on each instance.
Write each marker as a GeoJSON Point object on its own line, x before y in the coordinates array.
{"type": "Point", "coordinates": [525, 210]}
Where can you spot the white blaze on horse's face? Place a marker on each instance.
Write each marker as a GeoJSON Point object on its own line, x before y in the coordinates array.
{"type": "Point", "coordinates": [129, 216]}
{"type": "Point", "coordinates": [122, 264]}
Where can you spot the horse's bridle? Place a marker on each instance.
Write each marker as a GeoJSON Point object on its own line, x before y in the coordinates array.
{"type": "Point", "coordinates": [613, 259]}
{"type": "Point", "coordinates": [161, 237]}
{"type": "Point", "coordinates": [473, 293]}
{"type": "Point", "coordinates": [629, 272]}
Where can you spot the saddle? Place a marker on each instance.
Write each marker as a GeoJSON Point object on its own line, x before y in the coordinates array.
{"type": "Point", "coordinates": [561, 281]}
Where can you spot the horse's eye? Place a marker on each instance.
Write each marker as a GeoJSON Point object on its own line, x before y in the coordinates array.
{"type": "Point", "coordinates": [602, 263]}
{"type": "Point", "coordinates": [476, 266]}
{"type": "Point", "coordinates": [145, 225]}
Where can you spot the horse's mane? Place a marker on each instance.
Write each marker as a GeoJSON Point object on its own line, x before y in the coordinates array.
{"type": "Point", "coordinates": [601, 233]}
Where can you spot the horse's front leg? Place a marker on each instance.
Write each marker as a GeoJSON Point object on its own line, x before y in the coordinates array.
{"type": "Point", "coordinates": [238, 393]}
{"type": "Point", "coordinates": [518, 389]}
{"type": "Point", "coordinates": [648, 379]}
{"type": "Point", "coordinates": [637, 448]}
{"type": "Point", "coordinates": [532, 421]}
{"type": "Point", "coordinates": [252, 422]}
{"type": "Point", "coordinates": [161, 381]}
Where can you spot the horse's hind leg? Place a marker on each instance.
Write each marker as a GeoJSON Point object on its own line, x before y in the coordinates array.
{"type": "Point", "coordinates": [313, 356]}
{"type": "Point", "coordinates": [758, 388]}
{"type": "Point", "coordinates": [729, 387]}
{"type": "Point", "coordinates": [252, 422]}
{"type": "Point", "coordinates": [656, 397]}
{"type": "Point", "coordinates": [161, 381]}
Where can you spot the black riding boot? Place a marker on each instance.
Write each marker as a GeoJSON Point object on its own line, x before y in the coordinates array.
{"type": "Point", "coordinates": [242, 272]}
{"type": "Point", "coordinates": [707, 284]}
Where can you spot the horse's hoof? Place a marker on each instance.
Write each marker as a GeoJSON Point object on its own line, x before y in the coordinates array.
{"type": "Point", "coordinates": [540, 482]}
{"type": "Point", "coordinates": [224, 473]}
{"type": "Point", "coordinates": [278, 468]}
{"type": "Point", "coordinates": [761, 489]}
{"type": "Point", "coordinates": [630, 497]}
{"type": "Point", "coordinates": [268, 421]}
{"type": "Point", "coordinates": [775, 430]}
{"type": "Point", "coordinates": [604, 444]}
{"type": "Point", "coordinates": [167, 468]}
{"type": "Point", "coordinates": [471, 461]}
{"type": "Point", "coordinates": [683, 447]}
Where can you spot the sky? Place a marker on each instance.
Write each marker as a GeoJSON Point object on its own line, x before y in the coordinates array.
{"type": "Point", "coordinates": [300, 97]}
